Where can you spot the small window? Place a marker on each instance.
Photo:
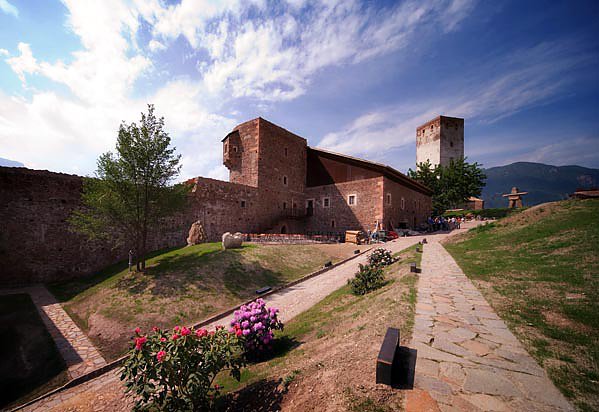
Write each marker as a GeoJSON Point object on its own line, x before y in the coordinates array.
{"type": "Point", "coordinates": [285, 180]}
{"type": "Point", "coordinates": [351, 200]}
{"type": "Point", "coordinates": [450, 144]}
{"type": "Point", "coordinates": [285, 152]}
{"type": "Point", "coordinates": [403, 203]}
{"type": "Point", "coordinates": [388, 198]}
{"type": "Point", "coordinates": [432, 126]}
{"type": "Point", "coordinates": [242, 203]}
{"type": "Point", "coordinates": [333, 223]}
{"type": "Point", "coordinates": [226, 148]}
{"type": "Point", "coordinates": [326, 202]}
{"type": "Point", "coordinates": [235, 149]}
{"type": "Point", "coordinates": [284, 205]}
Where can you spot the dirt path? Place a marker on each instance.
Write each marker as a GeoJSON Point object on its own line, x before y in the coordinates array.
{"type": "Point", "coordinates": [468, 360]}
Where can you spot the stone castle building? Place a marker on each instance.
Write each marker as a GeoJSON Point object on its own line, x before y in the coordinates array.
{"type": "Point", "coordinates": [277, 184]}
{"type": "Point", "coordinates": [440, 140]}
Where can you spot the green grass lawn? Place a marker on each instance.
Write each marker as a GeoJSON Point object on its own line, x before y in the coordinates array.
{"type": "Point", "coordinates": [182, 286]}
{"type": "Point", "coordinates": [30, 364]}
{"type": "Point", "coordinates": [540, 271]}
{"type": "Point", "coordinates": [336, 337]}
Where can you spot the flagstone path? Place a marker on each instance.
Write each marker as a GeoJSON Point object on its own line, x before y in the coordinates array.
{"type": "Point", "coordinates": [467, 359]}
{"type": "Point", "coordinates": [77, 351]}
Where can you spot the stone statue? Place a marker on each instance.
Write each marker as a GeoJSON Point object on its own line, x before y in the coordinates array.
{"type": "Point", "coordinates": [196, 234]}
{"type": "Point", "coordinates": [232, 241]}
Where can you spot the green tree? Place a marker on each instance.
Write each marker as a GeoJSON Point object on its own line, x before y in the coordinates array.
{"type": "Point", "coordinates": [452, 185]}
{"type": "Point", "coordinates": [133, 188]}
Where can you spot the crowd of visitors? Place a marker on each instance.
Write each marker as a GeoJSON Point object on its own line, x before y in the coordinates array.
{"type": "Point", "coordinates": [442, 223]}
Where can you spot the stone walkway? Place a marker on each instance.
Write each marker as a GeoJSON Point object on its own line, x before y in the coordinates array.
{"type": "Point", "coordinates": [467, 358]}
{"type": "Point", "coordinates": [78, 352]}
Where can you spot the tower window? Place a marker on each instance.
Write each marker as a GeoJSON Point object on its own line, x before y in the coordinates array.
{"type": "Point", "coordinates": [450, 144]}
{"type": "Point", "coordinates": [285, 180]}
{"type": "Point", "coordinates": [285, 152]}
{"type": "Point", "coordinates": [351, 200]}
{"type": "Point", "coordinates": [235, 149]}
{"type": "Point", "coordinates": [388, 198]}
{"type": "Point", "coordinates": [403, 203]}
{"type": "Point", "coordinates": [333, 223]}
{"type": "Point", "coordinates": [326, 202]}
{"type": "Point", "coordinates": [284, 205]}
{"type": "Point", "coordinates": [432, 126]}
{"type": "Point", "coordinates": [242, 203]}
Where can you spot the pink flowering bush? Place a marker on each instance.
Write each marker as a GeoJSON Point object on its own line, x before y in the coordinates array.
{"type": "Point", "coordinates": [255, 324]}
{"type": "Point", "coordinates": [175, 370]}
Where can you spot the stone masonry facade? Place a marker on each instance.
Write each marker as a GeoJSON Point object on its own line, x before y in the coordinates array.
{"type": "Point", "coordinates": [440, 140]}
{"type": "Point", "coordinates": [277, 184]}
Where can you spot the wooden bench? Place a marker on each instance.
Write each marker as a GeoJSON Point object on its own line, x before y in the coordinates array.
{"type": "Point", "coordinates": [387, 362]}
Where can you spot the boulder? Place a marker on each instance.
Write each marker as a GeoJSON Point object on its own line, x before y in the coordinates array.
{"type": "Point", "coordinates": [231, 241]}
{"type": "Point", "coordinates": [196, 234]}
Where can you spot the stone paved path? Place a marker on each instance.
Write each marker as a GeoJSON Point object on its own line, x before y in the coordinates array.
{"type": "Point", "coordinates": [467, 358]}
{"type": "Point", "coordinates": [78, 352]}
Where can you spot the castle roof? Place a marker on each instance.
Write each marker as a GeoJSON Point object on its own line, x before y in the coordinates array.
{"type": "Point", "coordinates": [384, 169]}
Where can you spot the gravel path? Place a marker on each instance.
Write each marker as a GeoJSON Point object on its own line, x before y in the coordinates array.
{"type": "Point", "coordinates": [468, 360]}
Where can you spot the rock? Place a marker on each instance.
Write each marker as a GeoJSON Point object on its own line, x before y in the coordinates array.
{"type": "Point", "coordinates": [232, 241]}
{"type": "Point", "coordinates": [196, 234]}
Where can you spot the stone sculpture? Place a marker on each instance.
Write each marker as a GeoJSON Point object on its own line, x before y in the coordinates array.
{"type": "Point", "coordinates": [232, 241]}
{"type": "Point", "coordinates": [196, 234]}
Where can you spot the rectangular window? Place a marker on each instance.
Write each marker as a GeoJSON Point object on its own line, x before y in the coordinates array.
{"type": "Point", "coordinates": [388, 198]}
{"type": "Point", "coordinates": [285, 180]}
{"type": "Point", "coordinates": [326, 202]}
{"type": "Point", "coordinates": [351, 200]}
{"type": "Point", "coordinates": [243, 203]}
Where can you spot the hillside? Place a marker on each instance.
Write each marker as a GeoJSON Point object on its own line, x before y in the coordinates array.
{"type": "Point", "coordinates": [539, 269]}
{"type": "Point", "coordinates": [545, 183]}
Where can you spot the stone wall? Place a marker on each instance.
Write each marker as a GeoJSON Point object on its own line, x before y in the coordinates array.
{"type": "Point", "coordinates": [339, 216]}
{"type": "Point", "coordinates": [403, 207]}
{"type": "Point", "coordinates": [440, 140]}
{"type": "Point", "coordinates": [36, 243]}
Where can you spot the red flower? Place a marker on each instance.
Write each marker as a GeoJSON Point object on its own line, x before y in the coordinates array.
{"type": "Point", "coordinates": [176, 329]}
{"type": "Point", "coordinates": [201, 333]}
{"type": "Point", "coordinates": [175, 337]}
{"type": "Point", "coordinates": [238, 332]}
{"type": "Point", "coordinates": [211, 333]}
{"type": "Point", "coordinates": [161, 355]}
{"type": "Point", "coordinates": [185, 331]}
{"type": "Point", "coordinates": [162, 339]}
{"type": "Point", "coordinates": [139, 342]}
{"type": "Point", "coordinates": [137, 330]}
{"type": "Point", "coordinates": [219, 327]}
{"type": "Point", "coordinates": [155, 329]}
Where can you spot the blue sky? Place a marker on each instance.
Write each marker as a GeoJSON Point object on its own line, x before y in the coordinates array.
{"type": "Point", "coordinates": [354, 77]}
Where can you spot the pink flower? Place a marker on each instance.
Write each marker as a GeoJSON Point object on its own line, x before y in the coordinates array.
{"type": "Point", "coordinates": [175, 337]}
{"type": "Point", "coordinates": [161, 355]}
{"type": "Point", "coordinates": [185, 331]}
{"type": "Point", "coordinates": [163, 339]}
{"type": "Point", "coordinates": [219, 327]}
{"type": "Point", "coordinates": [238, 332]}
{"type": "Point", "coordinates": [201, 333]}
{"type": "Point", "coordinates": [176, 329]}
{"type": "Point", "coordinates": [137, 330]}
{"type": "Point", "coordinates": [139, 342]}
{"type": "Point", "coordinates": [155, 329]}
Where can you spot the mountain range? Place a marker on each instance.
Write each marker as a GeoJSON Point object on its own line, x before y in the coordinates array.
{"type": "Point", "coordinates": [544, 183]}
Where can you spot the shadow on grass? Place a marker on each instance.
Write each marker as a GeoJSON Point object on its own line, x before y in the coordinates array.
{"type": "Point", "coordinates": [264, 395]}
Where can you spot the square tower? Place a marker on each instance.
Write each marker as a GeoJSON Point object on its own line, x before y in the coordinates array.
{"type": "Point", "coordinates": [440, 140]}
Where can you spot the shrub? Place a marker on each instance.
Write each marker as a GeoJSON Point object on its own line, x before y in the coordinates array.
{"type": "Point", "coordinates": [175, 371]}
{"type": "Point", "coordinates": [367, 279]}
{"type": "Point", "coordinates": [380, 257]}
{"type": "Point", "coordinates": [255, 325]}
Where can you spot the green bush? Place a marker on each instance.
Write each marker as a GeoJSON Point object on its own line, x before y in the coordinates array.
{"type": "Point", "coordinates": [380, 257]}
{"type": "Point", "coordinates": [367, 279]}
{"type": "Point", "coordinates": [175, 371]}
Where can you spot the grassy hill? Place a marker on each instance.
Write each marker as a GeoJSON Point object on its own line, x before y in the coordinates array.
{"type": "Point", "coordinates": [539, 269]}
{"type": "Point", "coordinates": [183, 286]}
{"type": "Point", "coordinates": [544, 183]}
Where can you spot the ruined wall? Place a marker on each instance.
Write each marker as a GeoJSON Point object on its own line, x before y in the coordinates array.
{"type": "Point", "coordinates": [404, 207]}
{"type": "Point", "coordinates": [361, 216]}
{"type": "Point", "coordinates": [240, 153]}
{"type": "Point", "coordinates": [36, 243]}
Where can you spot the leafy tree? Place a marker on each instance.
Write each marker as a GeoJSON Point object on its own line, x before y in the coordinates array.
{"type": "Point", "coordinates": [453, 184]}
{"type": "Point", "coordinates": [132, 188]}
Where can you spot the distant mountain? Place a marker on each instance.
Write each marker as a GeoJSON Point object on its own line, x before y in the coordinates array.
{"type": "Point", "coordinates": [10, 163]}
{"type": "Point", "coordinates": [544, 183]}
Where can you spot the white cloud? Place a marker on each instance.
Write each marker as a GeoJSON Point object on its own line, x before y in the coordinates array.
{"type": "Point", "coordinates": [23, 64]}
{"type": "Point", "coordinates": [155, 45]}
{"type": "Point", "coordinates": [8, 8]}
{"type": "Point", "coordinates": [4, 52]}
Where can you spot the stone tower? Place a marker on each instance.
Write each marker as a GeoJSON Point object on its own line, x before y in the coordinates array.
{"type": "Point", "coordinates": [439, 140]}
